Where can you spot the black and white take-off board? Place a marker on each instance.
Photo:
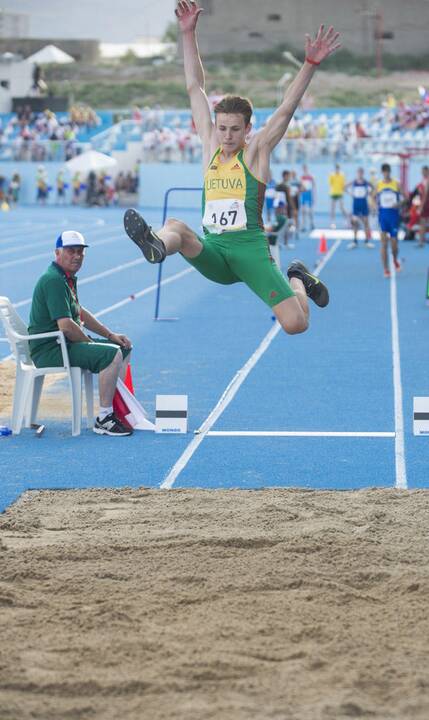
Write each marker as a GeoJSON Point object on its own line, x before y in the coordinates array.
{"type": "Point", "coordinates": [171, 414]}
{"type": "Point", "coordinates": [421, 416]}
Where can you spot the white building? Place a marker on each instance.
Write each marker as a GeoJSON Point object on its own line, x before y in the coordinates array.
{"type": "Point", "coordinates": [252, 25]}
{"type": "Point", "coordinates": [16, 79]}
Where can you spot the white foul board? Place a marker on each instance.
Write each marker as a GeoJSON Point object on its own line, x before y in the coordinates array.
{"type": "Point", "coordinates": [171, 414]}
{"type": "Point", "coordinates": [421, 416]}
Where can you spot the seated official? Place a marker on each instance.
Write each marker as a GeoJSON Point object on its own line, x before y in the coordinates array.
{"type": "Point", "coordinates": [55, 306]}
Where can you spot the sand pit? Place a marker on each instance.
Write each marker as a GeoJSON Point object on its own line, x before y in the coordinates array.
{"type": "Point", "coordinates": [283, 604]}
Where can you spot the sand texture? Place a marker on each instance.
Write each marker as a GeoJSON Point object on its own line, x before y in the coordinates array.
{"type": "Point", "coordinates": [232, 605]}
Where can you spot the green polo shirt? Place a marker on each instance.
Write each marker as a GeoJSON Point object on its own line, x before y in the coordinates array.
{"type": "Point", "coordinates": [52, 299]}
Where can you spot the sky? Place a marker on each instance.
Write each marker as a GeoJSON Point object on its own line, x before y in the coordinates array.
{"type": "Point", "coordinates": [104, 20]}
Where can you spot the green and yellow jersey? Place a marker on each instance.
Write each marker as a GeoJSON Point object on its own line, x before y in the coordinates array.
{"type": "Point", "coordinates": [233, 198]}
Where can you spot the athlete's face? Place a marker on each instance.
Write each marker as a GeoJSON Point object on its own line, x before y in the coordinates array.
{"type": "Point", "coordinates": [231, 131]}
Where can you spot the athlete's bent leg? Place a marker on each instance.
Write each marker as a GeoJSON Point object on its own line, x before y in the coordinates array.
{"type": "Point", "coordinates": [293, 312]}
{"type": "Point", "coordinates": [173, 237]}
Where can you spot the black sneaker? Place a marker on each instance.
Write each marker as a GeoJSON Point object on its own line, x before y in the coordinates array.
{"type": "Point", "coordinates": [314, 287]}
{"type": "Point", "coordinates": [141, 233]}
{"type": "Point", "coordinates": [110, 425]}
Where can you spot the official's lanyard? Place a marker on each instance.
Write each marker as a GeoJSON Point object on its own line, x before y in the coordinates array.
{"type": "Point", "coordinates": [73, 292]}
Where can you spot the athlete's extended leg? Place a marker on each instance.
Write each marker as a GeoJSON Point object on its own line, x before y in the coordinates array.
{"type": "Point", "coordinates": [178, 237]}
{"type": "Point", "coordinates": [173, 237]}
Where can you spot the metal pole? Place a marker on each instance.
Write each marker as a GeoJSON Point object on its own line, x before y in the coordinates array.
{"type": "Point", "coordinates": [158, 289]}
{"type": "Point", "coordinates": [164, 217]}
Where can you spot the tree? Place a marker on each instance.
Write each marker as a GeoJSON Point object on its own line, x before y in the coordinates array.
{"type": "Point", "coordinates": [171, 33]}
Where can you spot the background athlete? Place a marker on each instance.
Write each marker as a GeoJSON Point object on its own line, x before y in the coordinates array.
{"type": "Point", "coordinates": [360, 189]}
{"type": "Point", "coordinates": [308, 197]}
{"type": "Point", "coordinates": [234, 247]}
{"type": "Point", "coordinates": [388, 194]}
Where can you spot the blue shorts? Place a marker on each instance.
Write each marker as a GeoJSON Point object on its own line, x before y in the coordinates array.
{"type": "Point", "coordinates": [389, 223]}
{"type": "Point", "coordinates": [307, 198]}
{"type": "Point", "coordinates": [269, 203]}
{"type": "Point", "coordinates": [360, 208]}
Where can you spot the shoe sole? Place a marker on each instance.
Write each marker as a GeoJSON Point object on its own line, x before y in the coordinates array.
{"type": "Point", "coordinates": [141, 234]}
{"type": "Point", "coordinates": [102, 431]}
{"type": "Point", "coordinates": [322, 297]}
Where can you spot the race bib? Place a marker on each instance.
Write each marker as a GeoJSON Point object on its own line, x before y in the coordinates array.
{"type": "Point", "coordinates": [359, 192]}
{"type": "Point", "coordinates": [224, 216]}
{"type": "Point", "coordinates": [388, 199]}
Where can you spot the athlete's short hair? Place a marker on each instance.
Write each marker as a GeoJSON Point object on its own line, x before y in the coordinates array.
{"type": "Point", "coordinates": [235, 104]}
{"type": "Point", "coordinates": [386, 167]}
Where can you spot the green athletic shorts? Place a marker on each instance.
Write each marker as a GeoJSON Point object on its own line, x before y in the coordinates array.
{"type": "Point", "coordinates": [95, 356]}
{"type": "Point", "coordinates": [242, 256]}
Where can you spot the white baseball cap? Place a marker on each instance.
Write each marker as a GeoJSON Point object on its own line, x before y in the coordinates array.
{"type": "Point", "coordinates": [71, 238]}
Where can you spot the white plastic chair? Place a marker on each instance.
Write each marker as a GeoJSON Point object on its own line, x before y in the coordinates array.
{"type": "Point", "coordinates": [29, 379]}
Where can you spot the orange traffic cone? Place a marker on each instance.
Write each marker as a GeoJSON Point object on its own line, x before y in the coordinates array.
{"type": "Point", "coordinates": [323, 245]}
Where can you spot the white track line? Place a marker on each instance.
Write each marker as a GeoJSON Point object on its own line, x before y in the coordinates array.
{"type": "Point", "coordinates": [130, 298]}
{"type": "Point", "coordinates": [298, 433]}
{"type": "Point", "coordinates": [401, 471]}
{"type": "Point", "coordinates": [146, 291]}
{"type": "Point", "coordinates": [230, 393]}
{"type": "Point", "coordinates": [41, 243]}
{"type": "Point", "coordinates": [346, 234]}
{"type": "Point", "coordinates": [39, 256]}
{"type": "Point", "coordinates": [92, 278]}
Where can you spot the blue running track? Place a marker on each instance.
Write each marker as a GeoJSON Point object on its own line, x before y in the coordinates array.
{"type": "Point", "coordinates": [328, 409]}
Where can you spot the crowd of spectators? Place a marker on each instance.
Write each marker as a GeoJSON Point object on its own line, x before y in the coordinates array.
{"type": "Point", "coordinates": [337, 135]}
{"type": "Point", "coordinates": [44, 136]}
{"type": "Point", "coordinates": [9, 189]}
{"type": "Point", "coordinates": [102, 189]}
{"type": "Point", "coordinates": [88, 189]}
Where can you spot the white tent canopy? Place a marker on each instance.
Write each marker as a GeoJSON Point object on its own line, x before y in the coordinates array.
{"type": "Point", "coordinates": [90, 160]}
{"type": "Point", "coordinates": [50, 54]}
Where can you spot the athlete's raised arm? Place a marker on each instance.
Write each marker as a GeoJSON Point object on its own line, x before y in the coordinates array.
{"type": "Point", "coordinates": [316, 51]}
{"type": "Point", "coordinates": [187, 13]}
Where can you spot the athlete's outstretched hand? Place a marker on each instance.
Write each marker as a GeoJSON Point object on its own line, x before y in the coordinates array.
{"type": "Point", "coordinates": [322, 46]}
{"type": "Point", "coordinates": [187, 13]}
